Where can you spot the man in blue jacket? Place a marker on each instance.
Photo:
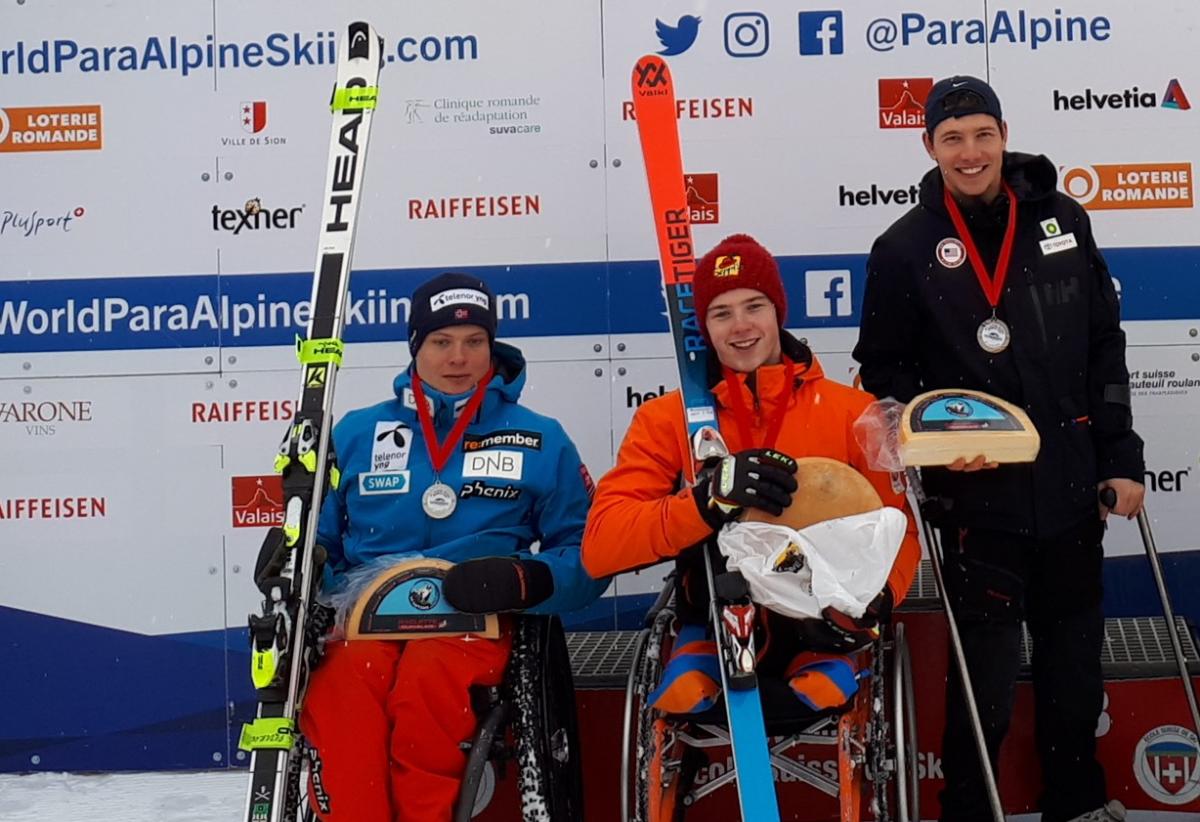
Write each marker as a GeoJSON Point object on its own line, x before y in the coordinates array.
{"type": "Point", "coordinates": [451, 467]}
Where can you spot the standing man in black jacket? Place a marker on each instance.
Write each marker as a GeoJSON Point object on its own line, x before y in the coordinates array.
{"type": "Point", "coordinates": [993, 282]}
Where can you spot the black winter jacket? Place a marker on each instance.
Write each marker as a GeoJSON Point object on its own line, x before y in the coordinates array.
{"type": "Point", "coordinates": [1065, 364]}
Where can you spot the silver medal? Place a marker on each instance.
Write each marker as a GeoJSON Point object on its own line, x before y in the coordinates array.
{"type": "Point", "coordinates": [993, 335]}
{"type": "Point", "coordinates": [439, 500]}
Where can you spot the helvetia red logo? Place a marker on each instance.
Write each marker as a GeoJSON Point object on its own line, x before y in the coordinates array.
{"type": "Point", "coordinates": [702, 197]}
{"type": "Point", "coordinates": [902, 101]}
{"type": "Point", "coordinates": [257, 501]}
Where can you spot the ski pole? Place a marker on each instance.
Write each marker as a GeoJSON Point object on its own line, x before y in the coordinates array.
{"type": "Point", "coordinates": [960, 657]}
{"type": "Point", "coordinates": [1108, 497]}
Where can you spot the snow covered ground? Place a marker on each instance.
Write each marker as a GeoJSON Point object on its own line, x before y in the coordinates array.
{"type": "Point", "coordinates": [211, 796]}
{"type": "Point", "coordinates": [207, 796]}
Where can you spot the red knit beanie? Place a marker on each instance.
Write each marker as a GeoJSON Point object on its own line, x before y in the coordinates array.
{"type": "Point", "coordinates": [738, 261]}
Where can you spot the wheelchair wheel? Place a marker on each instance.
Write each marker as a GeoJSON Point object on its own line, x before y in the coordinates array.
{"type": "Point", "coordinates": [903, 708]}
{"type": "Point", "coordinates": [550, 775]}
{"type": "Point", "coordinates": [647, 740]}
{"type": "Point", "coordinates": [854, 730]}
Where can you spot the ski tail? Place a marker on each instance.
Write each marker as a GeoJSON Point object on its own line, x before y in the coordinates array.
{"type": "Point", "coordinates": [732, 612]}
{"type": "Point", "coordinates": [285, 637]}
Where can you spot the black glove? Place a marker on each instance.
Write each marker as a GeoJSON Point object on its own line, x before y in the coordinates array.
{"type": "Point", "coordinates": [758, 478]}
{"type": "Point", "coordinates": [853, 632]}
{"type": "Point", "coordinates": [271, 557]}
{"type": "Point", "coordinates": [493, 584]}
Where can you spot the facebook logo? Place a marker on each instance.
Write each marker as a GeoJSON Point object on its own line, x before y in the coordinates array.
{"type": "Point", "coordinates": [820, 32]}
{"type": "Point", "coordinates": [827, 293]}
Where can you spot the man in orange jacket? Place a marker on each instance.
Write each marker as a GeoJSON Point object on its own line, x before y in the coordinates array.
{"type": "Point", "coordinates": [773, 405]}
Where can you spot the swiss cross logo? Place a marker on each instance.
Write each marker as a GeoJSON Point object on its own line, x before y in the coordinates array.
{"type": "Point", "coordinates": [702, 198]}
{"type": "Point", "coordinates": [1166, 763]}
{"type": "Point", "coordinates": [257, 501]}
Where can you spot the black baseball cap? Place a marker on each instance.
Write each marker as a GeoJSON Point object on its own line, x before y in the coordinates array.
{"type": "Point", "coordinates": [450, 299]}
{"type": "Point", "coordinates": [959, 96]}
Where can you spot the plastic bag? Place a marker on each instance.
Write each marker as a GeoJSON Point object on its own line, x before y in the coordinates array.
{"type": "Point", "coordinates": [877, 432]}
{"type": "Point", "coordinates": [841, 563]}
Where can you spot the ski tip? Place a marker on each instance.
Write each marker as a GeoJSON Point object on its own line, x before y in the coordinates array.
{"type": "Point", "coordinates": [358, 38]}
{"type": "Point", "coordinates": [362, 42]}
{"type": "Point", "coordinates": [651, 76]}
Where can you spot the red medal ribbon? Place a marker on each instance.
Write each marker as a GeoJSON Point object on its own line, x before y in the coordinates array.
{"type": "Point", "coordinates": [741, 413]}
{"type": "Point", "coordinates": [992, 286]}
{"type": "Point", "coordinates": [439, 452]}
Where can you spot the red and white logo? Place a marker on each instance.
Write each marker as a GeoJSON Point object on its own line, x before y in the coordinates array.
{"type": "Point", "coordinates": [702, 197]}
{"type": "Point", "coordinates": [257, 501]}
{"type": "Point", "coordinates": [951, 253]}
{"type": "Point", "coordinates": [1166, 763]}
{"type": "Point", "coordinates": [902, 101]}
{"type": "Point", "coordinates": [254, 116]}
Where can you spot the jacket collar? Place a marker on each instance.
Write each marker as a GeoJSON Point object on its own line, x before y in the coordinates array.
{"type": "Point", "coordinates": [1032, 177]}
{"type": "Point", "coordinates": [505, 387]}
{"type": "Point", "coordinates": [765, 388]}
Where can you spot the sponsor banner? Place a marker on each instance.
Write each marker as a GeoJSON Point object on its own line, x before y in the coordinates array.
{"type": "Point", "coordinates": [240, 411]}
{"type": "Point", "coordinates": [531, 440]}
{"type": "Point", "coordinates": [270, 309]}
{"type": "Point", "coordinates": [1089, 99]}
{"type": "Point", "coordinates": [1162, 382]}
{"type": "Point", "coordinates": [384, 482]}
{"type": "Point", "coordinates": [37, 223]}
{"type": "Point", "coordinates": [533, 301]}
{"type": "Point", "coordinates": [12, 508]}
{"type": "Point", "coordinates": [253, 217]}
{"type": "Point", "coordinates": [187, 56]}
{"type": "Point", "coordinates": [254, 119]}
{"type": "Point", "coordinates": [477, 207]}
{"type": "Point", "coordinates": [44, 418]}
{"type": "Point", "coordinates": [1016, 27]}
{"type": "Point", "coordinates": [257, 501]}
{"type": "Point", "coordinates": [902, 101]}
{"type": "Point", "coordinates": [703, 108]}
{"type": "Point", "coordinates": [496, 116]}
{"type": "Point", "coordinates": [703, 197]}
{"type": "Point", "coordinates": [1130, 185]}
{"type": "Point", "coordinates": [51, 128]}
{"type": "Point", "coordinates": [877, 195]}
{"type": "Point", "coordinates": [392, 445]}
{"type": "Point", "coordinates": [494, 464]}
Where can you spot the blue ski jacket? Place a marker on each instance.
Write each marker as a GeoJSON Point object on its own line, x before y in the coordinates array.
{"type": "Point", "coordinates": [517, 474]}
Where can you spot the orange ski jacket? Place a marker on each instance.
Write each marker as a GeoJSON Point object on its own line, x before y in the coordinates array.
{"type": "Point", "coordinates": [641, 516]}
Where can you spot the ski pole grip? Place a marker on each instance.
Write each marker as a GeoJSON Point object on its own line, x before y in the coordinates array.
{"type": "Point", "coordinates": [1108, 497]}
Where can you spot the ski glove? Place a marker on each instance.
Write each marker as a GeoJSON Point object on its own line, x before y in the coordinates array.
{"type": "Point", "coordinates": [758, 478]}
{"type": "Point", "coordinates": [271, 558]}
{"type": "Point", "coordinates": [493, 584]}
{"type": "Point", "coordinates": [854, 633]}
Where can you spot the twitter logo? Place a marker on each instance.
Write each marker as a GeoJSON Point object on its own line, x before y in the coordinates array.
{"type": "Point", "coordinates": [678, 38]}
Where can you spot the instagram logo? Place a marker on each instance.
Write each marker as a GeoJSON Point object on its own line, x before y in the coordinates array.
{"type": "Point", "coordinates": [746, 34]}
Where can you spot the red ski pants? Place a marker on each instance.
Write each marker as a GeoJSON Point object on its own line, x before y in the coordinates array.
{"type": "Point", "coordinates": [387, 719]}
